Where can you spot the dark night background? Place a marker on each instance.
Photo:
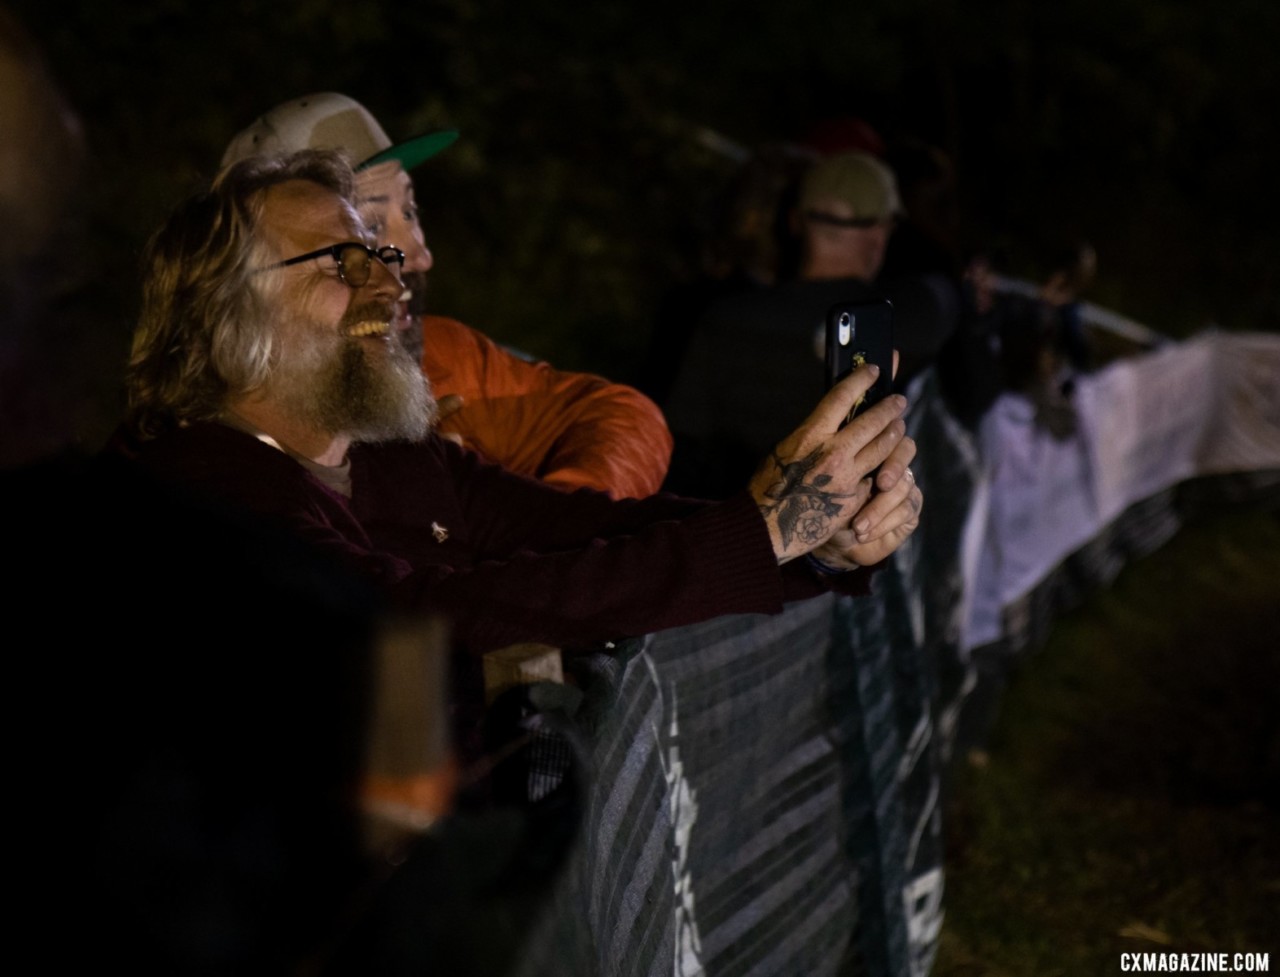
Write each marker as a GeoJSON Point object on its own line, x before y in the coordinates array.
{"type": "Point", "coordinates": [577, 193]}
{"type": "Point", "coordinates": [576, 199]}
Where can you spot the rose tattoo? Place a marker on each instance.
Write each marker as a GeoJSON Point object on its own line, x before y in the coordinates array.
{"type": "Point", "coordinates": [803, 509]}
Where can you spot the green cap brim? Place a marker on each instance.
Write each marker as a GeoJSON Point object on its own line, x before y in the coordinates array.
{"type": "Point", "coordinates": [409, 154]}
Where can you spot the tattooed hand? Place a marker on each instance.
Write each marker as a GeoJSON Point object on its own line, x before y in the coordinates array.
{"type": "Point", "coordinates": [817, 480]}
{"type": "Point", "coordinates": [884, 523]}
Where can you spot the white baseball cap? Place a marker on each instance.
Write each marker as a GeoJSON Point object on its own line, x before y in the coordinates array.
{"type": "Point", "coordinates": [327, 120]}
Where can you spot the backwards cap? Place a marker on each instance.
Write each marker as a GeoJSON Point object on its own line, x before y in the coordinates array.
{"type": "Point", "coordinates": [327, 120]}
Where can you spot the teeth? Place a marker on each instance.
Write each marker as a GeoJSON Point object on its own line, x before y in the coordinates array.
{"type": "Point", "coordinates": [369, 328]}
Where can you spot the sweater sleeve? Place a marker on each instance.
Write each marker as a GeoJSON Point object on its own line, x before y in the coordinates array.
{"type": "Point", "coordinates": [504, 558]}
{"type": "Point", "coordinates": [615, 571]}
{"type": "Point", "coordinates": [570, 430]}
{"type": "Point", "coordinates": [574, 569]}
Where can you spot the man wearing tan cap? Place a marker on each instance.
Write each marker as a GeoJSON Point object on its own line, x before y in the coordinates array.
{"type": "Point", "coordinates": [847, 208]}
{"type": "Point", "coordinates": [754, 363]}
{"type": "Point", "coordinates": [568, 429]}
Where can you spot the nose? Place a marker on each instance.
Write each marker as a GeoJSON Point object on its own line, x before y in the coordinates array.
{"type": "Point", "coordinates": [384, 280]}
{"type": "Point", "coordinates": [417, 256]}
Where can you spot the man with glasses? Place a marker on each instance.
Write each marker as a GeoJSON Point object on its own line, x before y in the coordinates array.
{"type": "Point", "coordinates": [568, 429]}
{"type": "Point", "coordinates": [264, 373]}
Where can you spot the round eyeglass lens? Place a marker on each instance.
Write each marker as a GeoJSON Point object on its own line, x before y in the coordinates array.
{"type": "Point", "coordinates": [353, 262]}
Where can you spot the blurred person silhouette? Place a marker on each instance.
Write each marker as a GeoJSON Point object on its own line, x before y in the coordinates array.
{"type": "Point", "coordinates": [922, 267]}
{"type": "Point", "coordinates": [42, 388]}
{"type": "Point", "coordinates": [755, 360]}
{"type": "Point", "coordinates": [926, 239]}
{"type": "Point", "coordinates": [847, 208]}
{"type": "Point", "coordinates": [234, 758]}
{"type": "Point", "coordinates": [971, 372]}
{"type": "Point", "coordinates": [1005, 342]}
{"type": "Point", "coordinates": [143, 759]}
{"type": "Point", "coordinates": [747, 246]}
{"type": "Point", "coordinates": [214, 768]}
{"type": "Point", "coordinates": [1072, 271]}
{"type": "Point", "coordinates": [570, 430]}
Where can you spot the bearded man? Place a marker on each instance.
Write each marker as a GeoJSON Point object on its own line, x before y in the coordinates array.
{"type": "Point", "coordinates": [265, 374]}
{"type": "Point", "coordinates": [571, 430]}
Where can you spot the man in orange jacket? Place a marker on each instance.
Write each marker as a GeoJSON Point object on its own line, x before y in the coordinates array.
{"type": "Point", "coordinates": [571, 430]}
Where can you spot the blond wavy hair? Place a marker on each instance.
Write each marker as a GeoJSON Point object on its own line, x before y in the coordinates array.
{"type": "Point", "coordinates": [204, 335]}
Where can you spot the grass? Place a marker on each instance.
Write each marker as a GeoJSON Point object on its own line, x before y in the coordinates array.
{"type": "Point", "coordinates": [1129, 799]}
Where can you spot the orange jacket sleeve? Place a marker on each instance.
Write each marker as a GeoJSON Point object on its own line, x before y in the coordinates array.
{"type": "Point", "coordinates": [571, 430]}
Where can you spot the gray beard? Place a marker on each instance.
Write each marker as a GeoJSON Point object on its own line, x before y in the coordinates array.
{"type": "Point", "coordinates": [335, 386]}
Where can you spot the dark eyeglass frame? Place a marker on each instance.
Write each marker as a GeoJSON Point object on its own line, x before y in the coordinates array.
{"type": "Point", "coordinates": [388, 254]}
{"type": "Point", "coordinates": [861, 223]}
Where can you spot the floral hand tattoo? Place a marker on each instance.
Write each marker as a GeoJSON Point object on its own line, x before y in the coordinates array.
{"type": "Point", "coordinates": [803, 508]}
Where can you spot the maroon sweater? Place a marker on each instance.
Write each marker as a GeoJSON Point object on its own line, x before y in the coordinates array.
{"type": "Point", "coordinates": [505, 558]}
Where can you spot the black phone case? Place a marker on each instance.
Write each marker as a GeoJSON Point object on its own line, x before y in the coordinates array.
{"type": "Point", "coordinates": [870, 340]}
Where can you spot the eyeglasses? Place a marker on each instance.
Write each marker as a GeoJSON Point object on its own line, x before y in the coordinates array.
{"type": "Point", "coordinates": [861, 223]}
{"type": "Point", "coordinates": [355, 260]}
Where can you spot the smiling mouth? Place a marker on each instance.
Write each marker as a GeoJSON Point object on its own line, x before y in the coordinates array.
{"type": "Point", "coordinates": [370, 327]}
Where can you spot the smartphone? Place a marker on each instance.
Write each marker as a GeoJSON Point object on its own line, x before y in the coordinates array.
{"type": "Point", "coordinates": [858, 333]}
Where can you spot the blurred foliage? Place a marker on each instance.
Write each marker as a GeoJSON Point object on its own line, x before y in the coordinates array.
{"type": "Point", "coordinates": [579, 191]}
